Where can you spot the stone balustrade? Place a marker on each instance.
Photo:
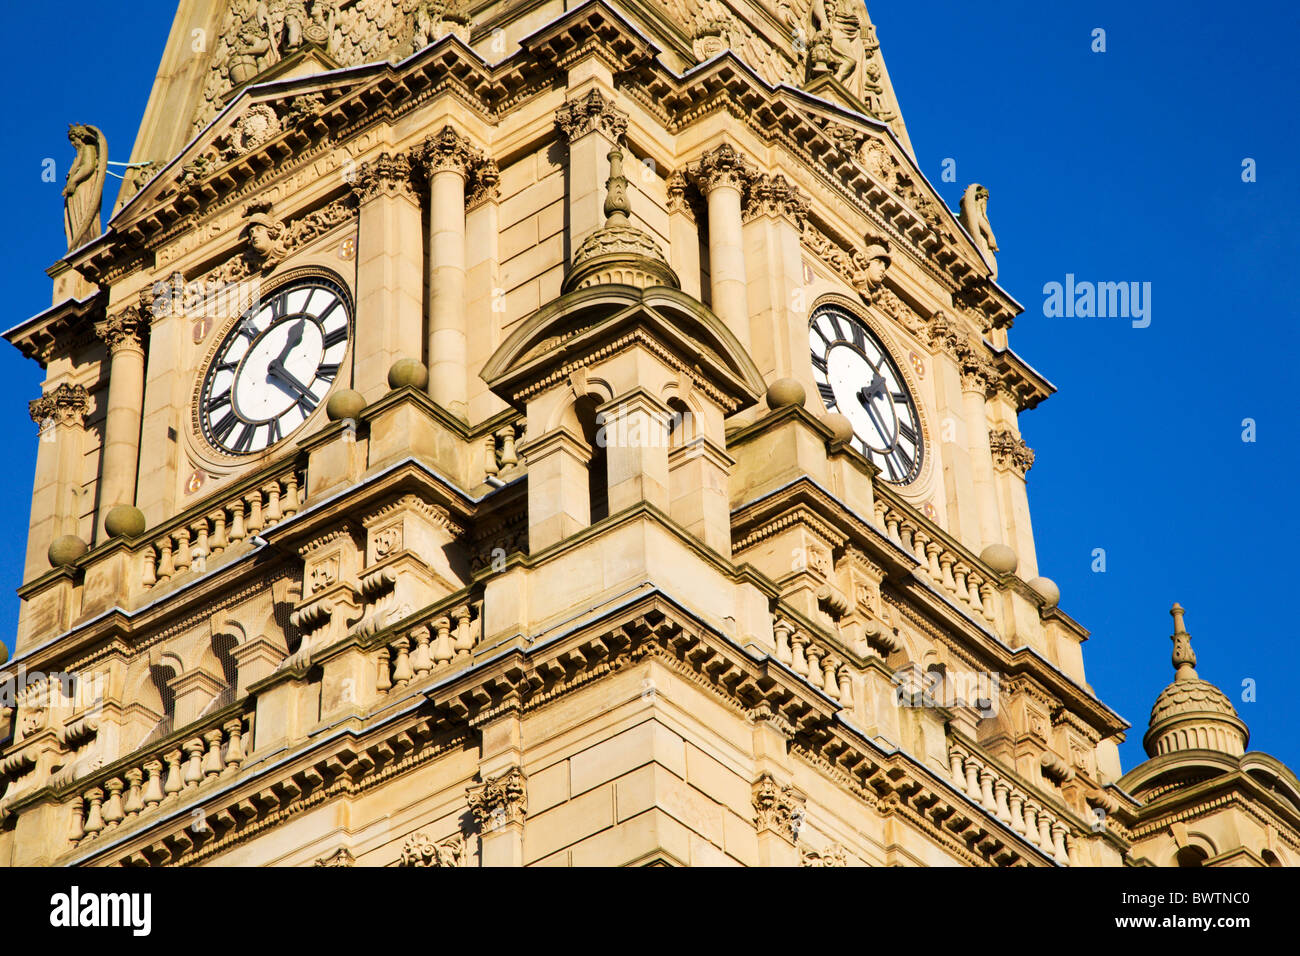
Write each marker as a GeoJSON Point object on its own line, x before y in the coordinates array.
{"type": "Point", "coordinates": [158, 777]}
{"type": "Point", "coordinates": [1007, 801]}
{"type": "Point", "coordinates": [501, 451]}
{"type": "Point", "coordinates": [189, 543]}
{"type": "Point", "coordinates": [958, 574]}
{"type": "Point", "coordinates": [448, 636]}
{"type": "Point", "coordinates": [812, 658]}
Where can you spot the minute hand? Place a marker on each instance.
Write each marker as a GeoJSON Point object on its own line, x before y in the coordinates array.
{"type": "Point", "coordinates": [277, 369]}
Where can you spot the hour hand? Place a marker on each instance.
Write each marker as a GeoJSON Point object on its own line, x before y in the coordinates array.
{"type": "Point", "coordinates": [293, 341]}
{"type": "Point", "coordinates": [278, 370]}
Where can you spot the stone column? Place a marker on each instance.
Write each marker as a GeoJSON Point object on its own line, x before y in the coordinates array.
{"type": "Point", "coordinates": [778, 317]}
{"type": "Point", "coordinates": [60, 415]}
{"type": "Point", "coordinates": [683, 236]}
{"type": "Point", "coordinates": [592, 127]}
{"type": "Point", "coordinates": [485, 298]}
{"type": "Point", "coordinates": [959, 482]}
{"type": "Point", "coordinates": [1012, 459]}
{"type": "Point", "coordinates": [124, 335]}
{"type": "Point", "coordinates": [721, 175]}
{"type": "Point", "coordinates": [559, 501]}
{"type": "Point", "coordinates": [976, 378]}
{"type": "Point", "coordinates": [447, 158]}
{"type": "Point", "coordinates": [389, 322]}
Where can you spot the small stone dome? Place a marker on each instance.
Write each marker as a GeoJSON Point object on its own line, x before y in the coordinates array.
{"type": "Point", "coordinates": [1191, 713]}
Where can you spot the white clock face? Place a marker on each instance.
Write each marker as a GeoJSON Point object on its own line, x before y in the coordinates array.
{"type": "Point", "coordinates": [275, 366]}
{"type": "Point", "coordinates": [857, 378]}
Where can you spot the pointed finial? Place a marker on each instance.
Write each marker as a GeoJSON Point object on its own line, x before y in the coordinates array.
{"type": "Point", "coordinates": [1184, 657]}
{"type": "Point", "coordinates": [617, 207]}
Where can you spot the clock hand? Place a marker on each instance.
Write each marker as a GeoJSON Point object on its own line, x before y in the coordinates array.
{"type": "Point", "coordinates": [278, 370]}
{"type": "Point", "coordinates": [294, 340]}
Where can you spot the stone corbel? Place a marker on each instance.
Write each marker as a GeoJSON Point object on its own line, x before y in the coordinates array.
{"type": "Point", "coordinates": [589, 113]}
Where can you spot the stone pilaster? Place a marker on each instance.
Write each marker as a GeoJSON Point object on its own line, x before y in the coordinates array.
{"type": "Point", "coordinates": [592, 126]}
{"type": "Point", "coordinates": [721, 176]}
{"type": "Point", "coordinates": [124, 333]}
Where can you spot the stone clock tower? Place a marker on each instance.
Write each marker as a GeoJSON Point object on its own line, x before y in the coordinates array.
{"type": "Point", "coordinates": [513, 434]}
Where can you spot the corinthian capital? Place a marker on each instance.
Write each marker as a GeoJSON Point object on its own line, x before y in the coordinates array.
{"type": "Point", "coordinates": [1010, 451]}
{"type": "Point", "coordinates": [448, 150]}
{"type": "Point", "coordinates": [775, 196]}
{"type": "Point", "coordinates": [483, 183]}
{"type": "Point", "coordinates": [499, 800]}
{"type": "Point", "coordinates": [125, 330]}
{"type": "Point", "coordinates": [580, 116]}
{"type": "Point", "coordinates": [386, 175]}
{"type": "Point", "coordinates": [977, 373]}
{"type": "Point", "coordinates": [723, 166]}
{"type": "Point", "coordinates": [63, 405]}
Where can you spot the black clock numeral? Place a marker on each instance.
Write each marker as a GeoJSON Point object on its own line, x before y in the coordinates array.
{"type": "Point", "coordinates": [819, 363]}
{"type": "Point", "coordinates": [827, 393]}
{"type": "Point", "coordinates": [904, 460]}
{"type": "Point", "coordinates": [907, 432]}
{"type": "Point", "coordinates": [245, 440]}
{"type": "Point", "coordinates": [858, 338]}
{"type": "Point", "coordinates": [898, 397]}
{"type": "Point", "coordinates": [273, 434]}
{"type": "Point", "coordinates": [306, 305]}
{"type": "Point", "coordinates": [893, 470]}
{"type": "Point", "coordinates": [224, 427]}
{"type": "Point", "coordinates": [218, 402]}
{"type": "Point", "coordinates": [835, 324]}
{"type": "Point", "coordinates": [278, 305]}
{"type": "Point", "coordinates": [328, 372]}
{"type": "Point", "coordinates": [307, 402]}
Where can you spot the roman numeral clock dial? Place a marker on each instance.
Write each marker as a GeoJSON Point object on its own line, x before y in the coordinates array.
{"type": "Point", "coordinates": [275, 367]}
{"type": "Point", "coordinates": [858, 379]}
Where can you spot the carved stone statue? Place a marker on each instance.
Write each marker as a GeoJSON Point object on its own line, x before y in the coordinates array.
{"type": "Point", "coordinates": [434, 19]}
{"type": "Point", "coordinates": [84, 191]}
{"type": "Point", "coordinates": [285, 22]}
{"type": "Point", "coordinates": [836, 45]}
{"type": "Point", "coordinates": [321, 27]}
{"type": "Point", "coordinates": [249, 55]}
{"type": "Point", "coordinates": [975, 217]}
{"type": "Point", "coordinates": [265, 234]}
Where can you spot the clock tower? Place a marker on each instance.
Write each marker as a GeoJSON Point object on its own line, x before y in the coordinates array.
{"type": "Point", "coordinates": [510, 434]}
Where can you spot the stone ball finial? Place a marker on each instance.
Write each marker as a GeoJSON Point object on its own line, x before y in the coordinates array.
{"type": "Point", "coordinates": [408, 371]}
{"type": "Point", "coordinates": [1047, 590]}
{"type": "Point", "coordinates": [65, 549]}
{"type": "Point", "coordinates": [1001, 558]}
{"type": "Point", "coordinates": [784, 392]}
{"type": "Point", "coordinates": [346, 403]}
{"type": "Point", "coordinates": [840, 426]}
{"type": "Point", "coordinates": [125, 521]}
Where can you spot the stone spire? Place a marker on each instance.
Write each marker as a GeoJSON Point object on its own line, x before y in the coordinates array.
{"type": "Point", "coordinates": [619, 253]}
{"type": "Point", "coordinates": [1192, 714]}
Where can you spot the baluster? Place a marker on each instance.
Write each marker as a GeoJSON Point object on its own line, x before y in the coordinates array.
{"type": "Point", "coordinates": [830, 666]}
{"type": "Point", "coordinates": [1000, 792]}
{"type": "Point", "coordinates": [891, 524]}
{"type": "Point", "coordinates": [879, 507]}
{"type": "Point", "coordinates": [974, 581]}
{"type": "Point", "coordinates": [945, 571]}
{"type": "Point", "coordinates": [906, 530]}
{"type": "Point", "coordinates": [218, 542]}
{"type": "Point", "coordinates": [420, 661]}
{"type": "Point", "coordinates": [113, 812]}
{"type": "Point", "coordinates": [165, 567]}
{"type": "Point", "coordinates": [174, 783]}
{"type": "Point", "coordinates": [464, 641]}
{"type": "Point", "coordinates": [235, 749]}
{"type": "Point", "coordinates": [273, 513]}
{"type": "Point", "coordinates": [77, 831]}
{"type": "Point", "coordinates": [1031, 823]}
{"type": "Point", "coordinates": [958, 775]}
{"type": "Point", "coordinates": [150, 576]}
{"type": "Point", "coordinates": [194, 766]}
{"type": "Point", "coordinates": [1018, 812]}
{"type": "Point", "coordinates": [237, 531]}
{"type": "Point", "coordinates": [799, 641]}
{"type": "Point", "coordinates": [290, 503]}
{"type": "Point", "coordinates": [134, 797]}
{"type": "Point", "coordinates": [212, 763]}
{"type": "Point", "coordinates": [182, 556]}
{"type": "Point", "coordinates": [932, 550]}
{"type": "Point", "coordinates": [254, 523]}
{"type": "Point", "coordinates": [1045, 822]}
{"type": "Point", "coordinates": [1059, 852]}
{"type": "Point", "coordinates": [972, 779]}
{"type": "Point", "coordinates": [402, 663]}
{"type": "Point", "coordinates": [442, 648]}
{"type": "Point", "coordinates": [782, 630]}
{"type": "Point", "coordinates": [383, 671]}
{"type": "Point", "coordinates": [200, 529]}
{"type": "Point", "coordinates": [959, 580]}
{"type": "Point", "coordinates": [987, 800]}
{"type": "Point", "coordinates": [846, 686]}
{"type": "Point", "coordinates": [94, 815]}
{"type": "Point", "coordinates": [153, 791]}
{"type": "Point", "coordinates": [814, 654]}
{"type": "Point", "coordinates": [490, 455]}
{"type": "Point", "coordinates": [509, 458]}
{"type": "Point", "coordinates": [921, 541]}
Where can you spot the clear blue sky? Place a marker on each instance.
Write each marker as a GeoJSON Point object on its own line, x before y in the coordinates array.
{"type": "Point", "coordinates": [1116, 166]}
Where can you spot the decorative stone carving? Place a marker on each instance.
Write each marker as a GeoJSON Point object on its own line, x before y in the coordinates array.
{"type": "Point", "coordinates": [84, 191]}
{"type": "Point", "coordinates": [434, 19]}
{"type": "Point", "coordinates": [386, 175]}
{"type": "Point", "coordinates": [254, 128]}
{"type": "Point", "coordinates": [249, 53]}
{"type": "Point", "coordinates": [483, 184]}
{"type": "Point", "coordinates": [125, 330]}
{"type": "Point", "coordinates": [975, 218]}
{"type": "Point", "coordinates": [777, 808]}
{"type": "Point", "coordinates": [265, 235]}
{"type": "Point", "coordinates": [723, 166]}
{"type": "Point", "coordinates": [63, 405]}
{"type": "Point", "coordinates": [419, 850]}
{"type": "Point", "coordinates": [285, 22]}
{"type": "Point", "coordinates": [321, 27]}
{"type": "Point", "coordinates": [282, 243]}
{"type": "Point", "coordinates": [136, 178]}
{"type": "Point", "coordinates": [836, 45]}
{"type": "Point", "coordinates": [977, 372]}
{"type": "Point", "coordinates": [711, 37]}
{"type": "Point", "coordinates": [678, 201]}
{"type": "Point", "coordinates": [1010, 451]}
{"type": "Point", "coordinates": [308, 104]}
{"type": "Point", "coordinates": [775, 196]}
{"type": "Point", "coordinates": [340, 857]}
{"type": "Point", "coordinates": [499, 801]}
{"type": "Point", "coordinates": [447, 149]}
{"type": "Point", "coordinates": [831, 855]}
{"type": "Point", "coordinates": [580, 116]}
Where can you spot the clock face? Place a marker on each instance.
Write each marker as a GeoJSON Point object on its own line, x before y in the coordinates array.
{"type": "Point", "coordinates": [275, 366]}
{"type": "Point", "coordinates": [857, 378]}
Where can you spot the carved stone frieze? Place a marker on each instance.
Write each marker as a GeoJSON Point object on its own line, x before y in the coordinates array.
{"type": "Point", "coordinates": [387, 175]}
{"type": "Point", "coordinates": [1010, 451]}
{"type": "Point", "coordinates": [64, 405]}
{"type": "Point", "coordinates": [500, 800]}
